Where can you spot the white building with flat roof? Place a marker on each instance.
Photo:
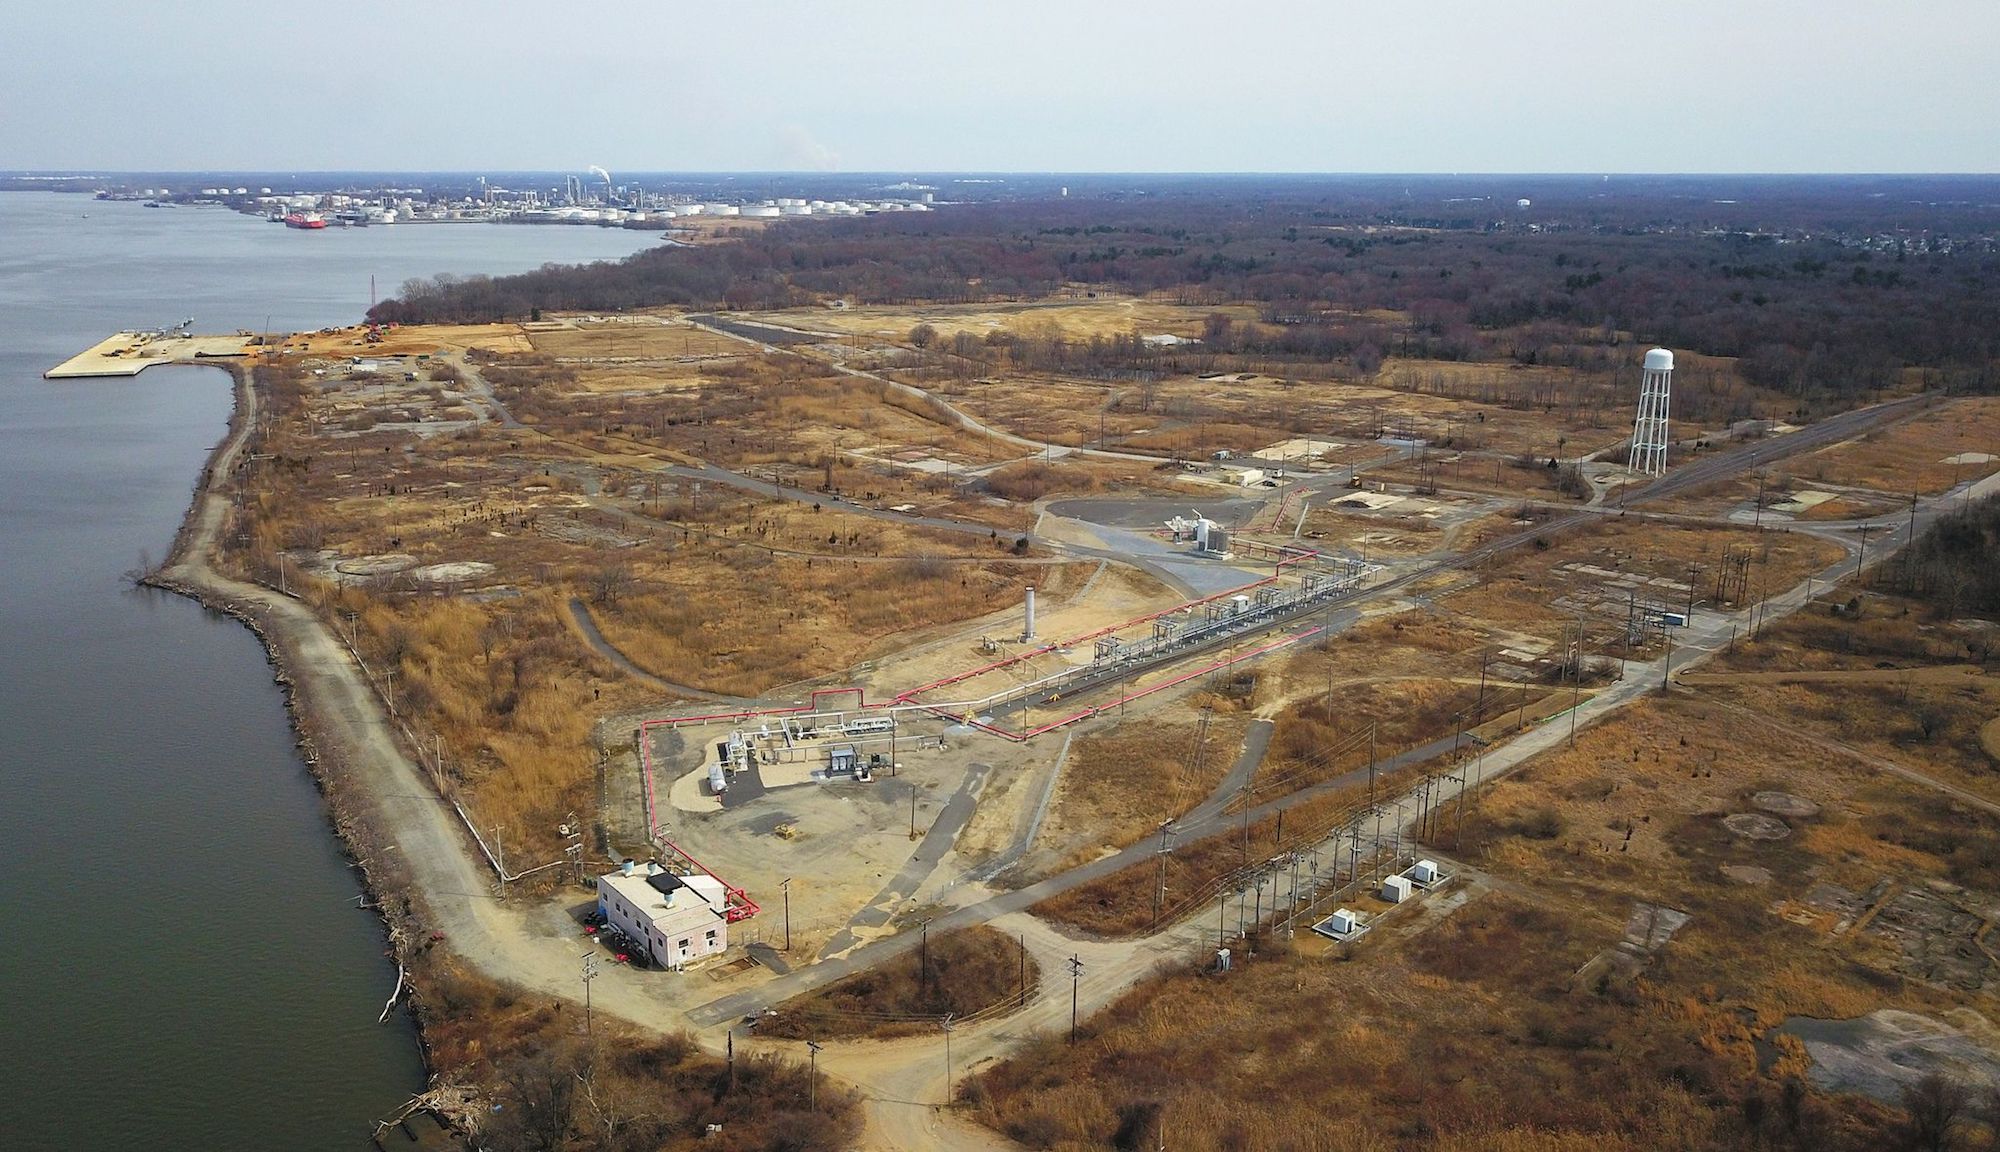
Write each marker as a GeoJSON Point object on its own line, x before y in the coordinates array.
{"type": "Point", "coordinates": [675, 918]}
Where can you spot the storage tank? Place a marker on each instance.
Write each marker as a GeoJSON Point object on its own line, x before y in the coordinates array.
{"type": "Point", "coordinates": [718, 780]}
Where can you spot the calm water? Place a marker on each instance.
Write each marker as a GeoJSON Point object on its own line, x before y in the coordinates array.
{"type": "Point", "coordinates": [181, 961]}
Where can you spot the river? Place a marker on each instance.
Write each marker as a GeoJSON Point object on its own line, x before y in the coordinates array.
{"type": "Point", "coordinates": [182, 959]}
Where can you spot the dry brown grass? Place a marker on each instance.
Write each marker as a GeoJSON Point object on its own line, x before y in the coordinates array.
{"type": "Point", "coordinates": [635, 339]}
{"type": "Point", "coordinates": [1523, 587]}
{"type": "Point", "coordinates": [1477, 1033]}
{"type": "Point", "coordinates": [1118, 785]}
{"type": "Point", "coordinates": [542, 1083]}
{"type": "Point", "coordinates": [689, 624]}
{"type": "Point", "coordinates": [1126, 903]}
{"type": "Point", "coordinates": [974, 970]}
{"type": "Point", "coordinates": [1924, 722]}
{"type": "Point", "coordinates": [490, 668]}
{"type": "Point", "coordinates": [1106, 315]}
{"type": "Point", "coordinates": [1909, 455]}
{"type": "Point", "coordinates": [1467, 1037]}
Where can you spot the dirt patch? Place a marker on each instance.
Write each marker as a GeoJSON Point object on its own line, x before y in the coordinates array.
{"type": "Point", "coordinates": [1785, 804]}
{"type": "Point", "coordinates": [1878, 1054]}
{"type": "Point", "coordinates": [1757, 826]}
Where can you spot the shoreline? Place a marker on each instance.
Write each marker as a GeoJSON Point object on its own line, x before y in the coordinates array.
{"type": "Point", "coordinates": [391, 893]}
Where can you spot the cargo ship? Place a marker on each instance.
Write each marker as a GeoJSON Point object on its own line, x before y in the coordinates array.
{"type": "Point", "coordinates": [305, 220]}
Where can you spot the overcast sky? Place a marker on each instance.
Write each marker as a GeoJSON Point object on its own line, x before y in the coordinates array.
{"type": "Point", "coordinates": [1013, 85]}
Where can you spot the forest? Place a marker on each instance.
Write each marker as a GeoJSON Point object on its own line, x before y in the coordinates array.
{"type": "Point", "coordinates": [1827, 302]}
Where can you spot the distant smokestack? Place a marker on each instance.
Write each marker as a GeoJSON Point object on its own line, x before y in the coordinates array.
{"type": "Point", "coordinates": [1029, 632]}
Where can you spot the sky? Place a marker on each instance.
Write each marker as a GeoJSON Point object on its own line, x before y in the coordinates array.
{"type": "Point", "coordinates": [1021, 85]}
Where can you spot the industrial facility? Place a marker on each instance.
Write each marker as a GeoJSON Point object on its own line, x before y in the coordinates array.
{"type": "Point", "coordinates": [672, 918]}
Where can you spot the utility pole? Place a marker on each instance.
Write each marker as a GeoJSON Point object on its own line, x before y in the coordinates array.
{"type": "Point", "coordinates": [1160, 891]}
{"type": "Point", "coordinates": [1371, 762]}
{"type": "Point", "coordinates": [1576, 680]}
{"type": "Point", "coordinates": [1024, 969]}
{"type": "Point", "coordinates": [1075, 974]}
{"type": "Point", "coordinates": [1757, 521]}
{"type": "Point", "coordinates": [949, 1094]}
{"type": "Point", "coordinates": [923, 955]}
{"type": "Point", "coordinates": [589, 974]}
{"type": "Point", "coordinates": [786, 884]}
{"type": "Point", "coordinates": [500, 860]}
{"type": "Point", "coordinates": [1863, 555]}
{"type": "Point", "coordinates": [812, 1077]}
{"type": "Point", "coordinates": [913, 809]}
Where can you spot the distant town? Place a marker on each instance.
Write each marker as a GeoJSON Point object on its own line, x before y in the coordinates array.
{"type": "Point", "coordinates": [593, 199]}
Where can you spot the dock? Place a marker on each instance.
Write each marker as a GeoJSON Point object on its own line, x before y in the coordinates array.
{"type": "Point", "coordinates": [130, 353]}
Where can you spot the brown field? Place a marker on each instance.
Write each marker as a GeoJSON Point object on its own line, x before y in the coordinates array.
{"type": "Point", "coordinates": [485, 657]}
{"type": "Point", "coordinates": [1895, 706]}
{"type": "Point", "coordinates": [1494, 1027]}
{"type": "Point", "coordinates": [1193, 416]}
{"type": "Point", "coordinates": [1126, 903]}
{"type": "Point", "coordinates": [1118, 785]}
{"type": "Point", "coordinates": [976, 970]}
{"type": "Point", "coordinates": [543, 1084]}
{"type": "Point", "coordinates": [412, 340]}
{"type": "Point", "coordinates": [687, 624]}
{"type": "Point", "coordinates": [1539, 587]}
{"type": "Point", "coordinates": [634, 338]}
{"type": "Point", "coordinates": [1026, 481]}
{"type": "Point", "coordinates": [1910, 455]}
{"type": "Point", "coordinates": [1078, 319]}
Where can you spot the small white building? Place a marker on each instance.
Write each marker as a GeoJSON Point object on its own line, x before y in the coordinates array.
{"type": "Point", "coordinates": [1395, 889]}
{"type": "Point", "coordinates": [1426, 874]}
{"type": "Point", "coordinates": [674, 918]}
{"type": "Point", "coordinates": [1344, 924]}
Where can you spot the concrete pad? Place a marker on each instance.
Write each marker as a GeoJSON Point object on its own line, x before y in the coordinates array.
{"type": "Point", "coordinates": [689, 793]}
{"type": "Point", "coordinates": [788, 775]}
{"type": "Point", "coordinates": [1373, 501]}
{"type": "Point", "coordinates": [1805, 501]}
{"type": "Point", "coordinates": [1970, 458]}
{"type": "Point", "coordinates": [129, 353]}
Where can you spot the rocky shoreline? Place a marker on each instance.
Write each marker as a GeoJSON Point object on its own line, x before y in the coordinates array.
{"type": "Point", "coordinates": [189, 571]}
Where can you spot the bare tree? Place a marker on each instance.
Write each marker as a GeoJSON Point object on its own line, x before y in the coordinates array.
{"type": "Point", "coordinates": [1938, 1111]}
{"type": "Point", "coordinates": [609, 582]}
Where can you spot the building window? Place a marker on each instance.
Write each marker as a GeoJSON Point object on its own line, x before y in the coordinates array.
{"type": "Point", "coordinates": [711, 937]}
{"type": "Point", "coordinates": [684, 945]}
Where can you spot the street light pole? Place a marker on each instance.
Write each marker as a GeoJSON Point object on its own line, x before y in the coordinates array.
{"type": "Point", "coordinates": [786, 884]}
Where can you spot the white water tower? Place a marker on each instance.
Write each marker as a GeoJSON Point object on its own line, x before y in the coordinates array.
{"type": "Point", "coordinates": [1649, 430]}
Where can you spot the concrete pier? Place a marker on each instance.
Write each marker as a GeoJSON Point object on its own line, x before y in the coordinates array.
{"type": "Point", "coordinates": [130, 353]}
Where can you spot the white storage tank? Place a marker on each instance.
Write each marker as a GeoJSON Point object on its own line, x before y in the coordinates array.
{"type": "Point", "coordinates": [718, 780]}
